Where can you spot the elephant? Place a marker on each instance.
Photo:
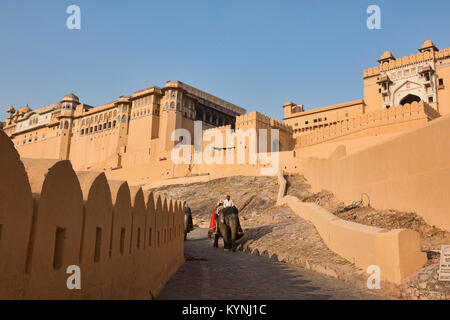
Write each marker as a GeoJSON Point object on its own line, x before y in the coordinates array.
{"type": "Point", "coordinates": [228, 228]}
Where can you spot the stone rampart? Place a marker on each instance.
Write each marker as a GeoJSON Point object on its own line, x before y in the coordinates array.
{"type": "Point", "coordinates": [127, 243]}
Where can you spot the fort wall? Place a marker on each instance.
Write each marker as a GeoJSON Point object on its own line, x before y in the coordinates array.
{"type": "Point", "coordinates": [127, 243]}
{"type": "Point", "coordinates": [397, 253]}
{"type": "Point", "coordinates": [395, 119]}
{"type": "Point", "coordinates": [408, 172]}
{"type": "Point", "coordinates": [407, 60]}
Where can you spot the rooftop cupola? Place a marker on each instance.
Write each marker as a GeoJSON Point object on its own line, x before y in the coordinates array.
{"type": "Point", "coordinates": [386, 57]}
{"type": "Point", "coordinates": [70, 98]}
{"type": "Point", "coordinates": [11, 110]}
{"type": "Point", "coordinates": [25, 109]}
{"type": "Point", "coordinates": [428, 46]}
{"type": "Point", "coordinates": [70, 101]}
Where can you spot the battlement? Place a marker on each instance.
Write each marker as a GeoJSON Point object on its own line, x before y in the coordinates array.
{"type": "Point", "coordinates": [255, 118]}
{"type": "Point", "coordinates": [407, 60]}
{"type": "Point", "coordinates": [221, 129]}
{"type": "Point", "coordinates": [407, 112]}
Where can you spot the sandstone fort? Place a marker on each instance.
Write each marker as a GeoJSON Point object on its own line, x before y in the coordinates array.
{"type": "Point", "coordinates": [74, 175]}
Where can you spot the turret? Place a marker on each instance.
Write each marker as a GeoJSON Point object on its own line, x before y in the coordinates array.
{"type": "Point", "coordinates": [386, 57]}
{"type": "Point", "coordinates": [428, 46]}
{"type": "Point", "coordinates": [68, 106]}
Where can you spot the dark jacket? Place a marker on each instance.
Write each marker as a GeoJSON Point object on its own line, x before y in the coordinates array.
{"type": "Point", "coordinates": [187, 211]}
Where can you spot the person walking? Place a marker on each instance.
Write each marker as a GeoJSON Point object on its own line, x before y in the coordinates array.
{"type": "Point", "coordinates": [188, 222]}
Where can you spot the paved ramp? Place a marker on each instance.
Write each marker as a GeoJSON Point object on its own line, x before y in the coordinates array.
{"type": "Point", "coordinates": [214, 274]}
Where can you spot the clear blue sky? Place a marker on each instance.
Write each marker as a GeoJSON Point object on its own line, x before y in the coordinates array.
{"type": "Point", "coordinates": [257, 54]}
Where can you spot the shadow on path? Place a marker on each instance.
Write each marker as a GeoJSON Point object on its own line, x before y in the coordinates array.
{"type": "Point", "coordinates": [214, 274]}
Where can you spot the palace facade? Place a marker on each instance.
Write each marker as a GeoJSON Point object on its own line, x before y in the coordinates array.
{"type": "Point", "coordinates": [399, 94]}
{"type": "Point", "coordinates": [132, 130]}
{"type": "Point", "coordinates": [423, 77]}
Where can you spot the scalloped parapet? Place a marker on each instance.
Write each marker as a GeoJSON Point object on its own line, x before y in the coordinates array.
{"type": "Point", "coordinates": [125, 241]}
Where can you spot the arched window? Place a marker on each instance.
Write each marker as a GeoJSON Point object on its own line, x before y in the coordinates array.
{"type": "Point", "coordinates": [66, 125]}
{"type": "Point", "coordinates": [172, 105]}
{"type": "Point", "coordinates": [82, 132]}
{"type": "Point", "coordinates": [124, 118]}
{"type": "Point", "coordinates": [114, 123]}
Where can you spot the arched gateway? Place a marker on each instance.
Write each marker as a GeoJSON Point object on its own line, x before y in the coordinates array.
{"type": "Point", "coordinates": [410, 98]}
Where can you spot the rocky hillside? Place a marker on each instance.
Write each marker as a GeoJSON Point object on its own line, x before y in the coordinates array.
{"type": "Point", "coordinates": [252, 195]}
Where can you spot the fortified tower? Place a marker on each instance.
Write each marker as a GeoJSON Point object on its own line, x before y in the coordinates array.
{"type": "Point", "coordinates": [414, 78]}
{"type": "Point", "coordinates": [171, 116]}
{"type": "Point", "coordinates": [124, 109]}
{"type": "Point", "coordinates": [68, 106]}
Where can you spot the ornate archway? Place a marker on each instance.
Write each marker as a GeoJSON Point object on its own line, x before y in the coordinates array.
{"type": "Point", "coordinates": [410, 98]}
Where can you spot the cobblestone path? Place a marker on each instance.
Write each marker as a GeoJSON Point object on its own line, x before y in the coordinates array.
{"type": "Point", "coordinates": [214, 274]}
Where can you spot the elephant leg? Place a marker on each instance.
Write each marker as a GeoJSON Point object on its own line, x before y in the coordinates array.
{"type": "Point", "coordinates": [224, 230]}
{"type": "Point", "coordinates": [234, 230]}
{"type": "Point", "coordinates": [216, 241]}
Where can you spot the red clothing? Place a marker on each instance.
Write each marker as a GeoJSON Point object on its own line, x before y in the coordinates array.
{"type": "Point", "coordinates": [212, 225]}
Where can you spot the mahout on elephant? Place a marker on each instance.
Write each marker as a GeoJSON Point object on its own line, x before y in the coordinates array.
{"type": "Point", "coordinates": [225, 223]}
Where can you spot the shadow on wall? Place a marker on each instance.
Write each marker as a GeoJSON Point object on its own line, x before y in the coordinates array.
{"type": "Point", "coordinates": [126, 242]}
{"type": "Point", "coordinates": [396, 253]}
{"type": "Point", "coordinates": [409, 172]}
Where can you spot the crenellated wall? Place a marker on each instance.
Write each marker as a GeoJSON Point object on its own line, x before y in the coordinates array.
{"type": "Point", "coordinates": [127, 243]}
{"type": "Point", "coordinates": [391, 120]}
{"type": "Point", "coordinates": [407, 60]}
